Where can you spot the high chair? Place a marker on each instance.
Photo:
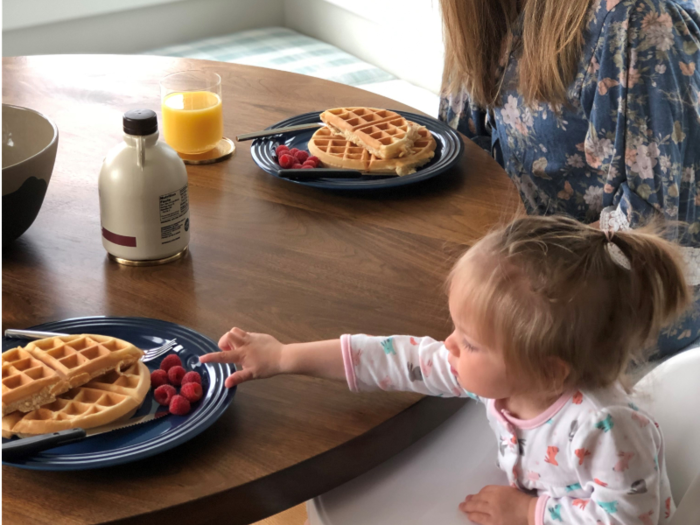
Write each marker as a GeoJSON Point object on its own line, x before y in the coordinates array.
{"type": "Point", "coordinates": [671, 393]}
{"type": "Point", "coordinates": [424, 484]}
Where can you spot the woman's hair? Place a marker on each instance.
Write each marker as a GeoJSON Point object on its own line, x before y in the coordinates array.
{"type": "Point", "coordinates": [477, 32]}
{"type": "Point", "coordinates": [551, 287]}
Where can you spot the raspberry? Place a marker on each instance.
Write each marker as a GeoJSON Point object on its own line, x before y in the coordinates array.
{"type": "Point", "coordinates": [169, 362]}
{"type": "Point", "coordinates": [192, 392]}
{"type": "Point", "coordinates": [293, 152]}
{"type": "Point", "coordinates": [159, 377]}
{"type": "Point", "coordinates": [301, 156]}
{"type": "Point", "coordinates": [164, 394]}
{"type": "Point", "coordinates": [286, 161]}
{"type": "Point", "coordinates": [281, 149]}
{"type": "Point", "coordinates": [296, 166]}
{"type": "Point", "coordinates": [315, 160]}
{"type": "Point", "coordinates": [192, 377]}
{"type": "Point", "coordinates": [308, 165]}
{"type": "Point", "coordinates": [175, 375]}
{"type": "Point", "coordinates": [179, 405]}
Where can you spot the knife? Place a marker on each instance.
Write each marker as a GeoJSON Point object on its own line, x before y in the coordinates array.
{"type": "Point", "coordinates": [319, 173]}
{"type": "Point", "coordinates": [19, 448]}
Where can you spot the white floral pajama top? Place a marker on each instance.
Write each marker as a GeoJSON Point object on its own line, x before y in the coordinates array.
{"type": "Point", "coordinates": [628, 147]}
{"type": "Point", "coordinates": [591, 458]}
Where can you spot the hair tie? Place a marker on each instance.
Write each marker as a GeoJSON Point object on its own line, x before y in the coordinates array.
{"type": "Point", "coordinates": [616, 254]}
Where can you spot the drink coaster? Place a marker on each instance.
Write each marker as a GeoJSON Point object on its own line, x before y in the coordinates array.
{"type": "Point", "coordinates": [223, 150]}
{"type": "Point", "coordinates": [151, 262]}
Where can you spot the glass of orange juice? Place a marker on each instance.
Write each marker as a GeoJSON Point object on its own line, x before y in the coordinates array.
{"type": "Point", "coordinates": [193, 121]}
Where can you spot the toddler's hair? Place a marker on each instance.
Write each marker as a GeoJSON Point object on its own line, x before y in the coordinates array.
{"type": "Point", "coordinates": [545, 287]}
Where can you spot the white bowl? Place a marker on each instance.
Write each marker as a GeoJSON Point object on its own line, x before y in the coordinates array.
{"type": "Point", "coordinates": [29, 143]}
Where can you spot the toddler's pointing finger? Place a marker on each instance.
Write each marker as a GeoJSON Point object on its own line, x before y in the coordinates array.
{"type": "Point", "coordinates": [218, 357]}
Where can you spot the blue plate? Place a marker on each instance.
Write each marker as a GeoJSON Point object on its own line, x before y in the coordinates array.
{"type": "Point", "coordinates": [449, 149]}
{"type": "Point", "coordinates": [148, 439]}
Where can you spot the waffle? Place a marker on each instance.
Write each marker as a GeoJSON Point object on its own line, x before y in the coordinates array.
{"type": "Point", "coordinates": [334, 150]}
{"type": "Point", "coordinates": [383, 133]}
{"type": "Point", "coordinates": [34, 375]}
{"type": "Point", "coordinates": [103, 400]}
{"type": "Point", "coordinates": [7, 422]}
{"type": "Point", "coordinates": [27, 382]}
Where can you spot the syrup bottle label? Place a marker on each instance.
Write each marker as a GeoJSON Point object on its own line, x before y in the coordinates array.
{"type": "Point", "coordinates": [174, 215]}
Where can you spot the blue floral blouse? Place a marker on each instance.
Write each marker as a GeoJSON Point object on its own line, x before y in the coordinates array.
{"type": "Point", "coordinates": [628, 146]}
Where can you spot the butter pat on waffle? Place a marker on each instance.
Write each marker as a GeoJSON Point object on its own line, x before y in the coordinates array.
{"type": "Point", "coordinates": [103, 400]}
{"type": "Point", "coordinates": [338, 152]}
{"type": "Point", "coordinates": [34, 375]}
{"type": "Point", "coordinates": [383, 133]}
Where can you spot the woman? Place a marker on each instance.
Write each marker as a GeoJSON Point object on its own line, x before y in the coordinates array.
{"type": "Point", "coordinates": [592, 108]}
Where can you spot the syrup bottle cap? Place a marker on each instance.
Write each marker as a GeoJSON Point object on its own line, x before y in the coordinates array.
{"type": "Point", "coordinates": [140, 122]}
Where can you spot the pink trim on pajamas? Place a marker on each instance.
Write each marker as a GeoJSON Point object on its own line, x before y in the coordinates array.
{"type": "Point", "coordinates": [540, 508]}
{"type": "Point", "coordinates": [346, 348]}
{"type": "Point", "coordinates": [528, 424]}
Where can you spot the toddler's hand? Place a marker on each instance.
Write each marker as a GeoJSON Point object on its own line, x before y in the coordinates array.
{"type": "Point", "coordinates": [497, 505]}
{"type": "Point", "coordinates": [258, 354]}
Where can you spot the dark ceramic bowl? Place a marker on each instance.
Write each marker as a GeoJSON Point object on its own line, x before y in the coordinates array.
{"type": "Point", "coordinates": [29, 142]}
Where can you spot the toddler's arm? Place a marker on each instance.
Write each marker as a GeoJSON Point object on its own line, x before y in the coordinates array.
{"type": "Point", "coordinates": [615, 452]}
{"type": "Point", "coordinates": [417, 364]}
{"type": "Point", "coordinates": [399, 362]}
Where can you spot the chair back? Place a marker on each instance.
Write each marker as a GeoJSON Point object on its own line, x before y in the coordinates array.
{"type": "Point", "coordinates": [671, 394]}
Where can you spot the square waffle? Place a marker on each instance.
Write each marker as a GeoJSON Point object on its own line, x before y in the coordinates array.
{"type": "Point", "coordinates": [103, 400]}
{"type": "Point", "coordinates": [27, 382]}
{"type": "Point", "coordinates": [34, 375]}
{"type": "Point", "coordinates": [336, 151]}
{"type": "Point", "coordinates": [383, 133]}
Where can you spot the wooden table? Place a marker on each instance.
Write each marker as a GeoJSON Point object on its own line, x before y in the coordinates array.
{"type": "Point", "coordinates": [266, 255]}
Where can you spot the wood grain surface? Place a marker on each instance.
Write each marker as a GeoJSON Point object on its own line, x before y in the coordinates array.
{"type": "Point", "coordinates": [266, 255]}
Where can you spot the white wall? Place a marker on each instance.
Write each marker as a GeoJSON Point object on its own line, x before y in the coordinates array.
{"type": "Point", "coordinates": [403, 37]}
{"type": "Point", "coordinates": [34, 27]}
{"type": "Point", "coordinates": [29, 13]}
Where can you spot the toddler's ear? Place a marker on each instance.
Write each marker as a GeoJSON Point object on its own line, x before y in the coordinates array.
{"type": "Point", "coordinates": [559, 371]}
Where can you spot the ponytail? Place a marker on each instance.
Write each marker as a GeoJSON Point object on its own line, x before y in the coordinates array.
{"type": "Point", "coordinates": [658, 291]}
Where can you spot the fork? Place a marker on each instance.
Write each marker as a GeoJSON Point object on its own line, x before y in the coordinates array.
{"type": "Point", "coordinates": [148, 355]}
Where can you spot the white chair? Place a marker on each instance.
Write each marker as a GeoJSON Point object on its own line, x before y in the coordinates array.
{"type": "Point", "coordinates": [671, 393]}
{"type": "Point", "coordinates": [424, 484]}
{"type": "Point", "coordinates": [688, 511]}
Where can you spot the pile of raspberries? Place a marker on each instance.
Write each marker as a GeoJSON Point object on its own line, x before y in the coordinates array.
{"type": "Point", "coordinates": [295, 159]}
{"type": "Point", "coordinates": [172, 374]}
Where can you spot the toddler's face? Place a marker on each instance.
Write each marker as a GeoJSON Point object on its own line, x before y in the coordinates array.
{"type": "Point", "coordinates": [479, 369]}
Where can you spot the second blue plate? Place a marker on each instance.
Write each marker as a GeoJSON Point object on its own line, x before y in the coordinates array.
{"type": "Point", "coordinates": [449, 148]}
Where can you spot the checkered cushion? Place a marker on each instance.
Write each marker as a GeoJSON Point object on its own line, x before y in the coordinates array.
{"type": "Point", "coordinates": [281, 48]}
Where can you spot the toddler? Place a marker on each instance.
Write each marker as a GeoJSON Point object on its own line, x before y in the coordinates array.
{"type": "Point", "coordinates": [547, 313]}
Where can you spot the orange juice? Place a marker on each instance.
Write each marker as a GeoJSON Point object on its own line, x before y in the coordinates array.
{"type": "Point", "coordinates": [192, 121]}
